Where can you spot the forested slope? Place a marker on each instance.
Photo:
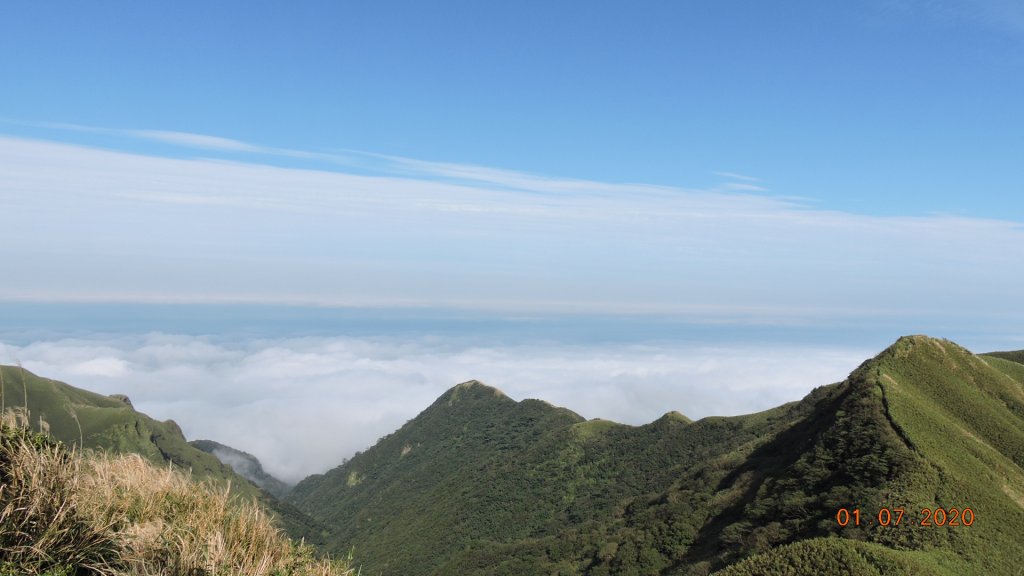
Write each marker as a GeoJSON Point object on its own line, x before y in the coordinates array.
{"type": "Point", "coordinates": [481, 484]}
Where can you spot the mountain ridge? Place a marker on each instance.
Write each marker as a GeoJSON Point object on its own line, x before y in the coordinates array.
{"type": "Point", "coordinates": [528, 488]}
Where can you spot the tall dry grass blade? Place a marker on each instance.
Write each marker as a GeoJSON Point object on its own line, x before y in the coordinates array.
{"type": "Point", "coordinates": [24, 385]}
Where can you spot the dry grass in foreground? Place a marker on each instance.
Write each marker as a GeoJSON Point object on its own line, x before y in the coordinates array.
{"type": "Point", "coordinates": [65, 514]}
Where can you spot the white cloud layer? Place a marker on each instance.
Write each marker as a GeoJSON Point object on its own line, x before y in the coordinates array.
{"type": "Point", "coordinates": [303, 404]}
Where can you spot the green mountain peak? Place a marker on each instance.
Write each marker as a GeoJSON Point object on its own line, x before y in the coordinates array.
{"type": "Point", "coordinates": [471, 390]}
{"type": "Point", "coordinates": [913, 341]}
{"type": "Point", "coordinates": [674, 416]}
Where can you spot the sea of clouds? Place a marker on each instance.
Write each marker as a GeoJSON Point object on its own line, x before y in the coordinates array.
{"type": "Point", "coordinates": [303, 404]}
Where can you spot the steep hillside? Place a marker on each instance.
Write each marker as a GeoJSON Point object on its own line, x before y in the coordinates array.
{"type": "Point", "coordinates": [481, 484]}
{"type": "Point", "coordinates": [79, 417]}
{"type": "Point", "coordinates": [1014, 356]}
{"type": "Point", "coordinates": [245, 465]}
{"type": "Point", "coordinates": [963, 415]}
{"type": "Point", "coordinates": [82, 418]}
{"type": "Point", "coordinates": [432, 484]}
{"type": "Point", "coordinates": [961, 418]}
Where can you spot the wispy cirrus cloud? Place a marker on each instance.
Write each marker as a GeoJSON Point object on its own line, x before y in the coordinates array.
{"type": "Point", "coordinates": [185, 139]}
{"type": "Point", "coordinates": [735, 176]}
{"type": "Point", "coordinates": [200, 141]}
{"type": "Point", "coordinates": [743, 187]}
{"type": "Point", "coordinates": [86, 224]}
{"type": "Point", "coordinates": [398, 166]}
{"type": "Point", "coordinates": [1001, 15]}
{"type": "Point", "coordinates": [740, 183]}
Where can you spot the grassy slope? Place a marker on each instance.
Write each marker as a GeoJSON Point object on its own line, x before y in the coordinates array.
{"type": "Point", "coordinates": [1014, 356]}
{"type": "Point", "coordinates": [959, 420]}
{"type": "Point", "coordinates": [838, 556]}
{"type": "Point", "coordinates": [964, 415]}
{"type": "Point", "coordinates": [111, 424]}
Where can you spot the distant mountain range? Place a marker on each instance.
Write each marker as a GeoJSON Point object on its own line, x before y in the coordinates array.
{"type": "Point", "coordinates": [912, 465]}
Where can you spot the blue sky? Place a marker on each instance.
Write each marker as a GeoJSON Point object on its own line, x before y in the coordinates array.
{"type": "Point", "coordinates": [586, 176]}
{"type": "Point", "coordinates": [719, 161]}
{"type": "Point", "coordinates": [880, 107]}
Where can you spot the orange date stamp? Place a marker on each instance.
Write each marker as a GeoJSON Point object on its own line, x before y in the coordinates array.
{"type": "Point", "coordinates": [896, 516]}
